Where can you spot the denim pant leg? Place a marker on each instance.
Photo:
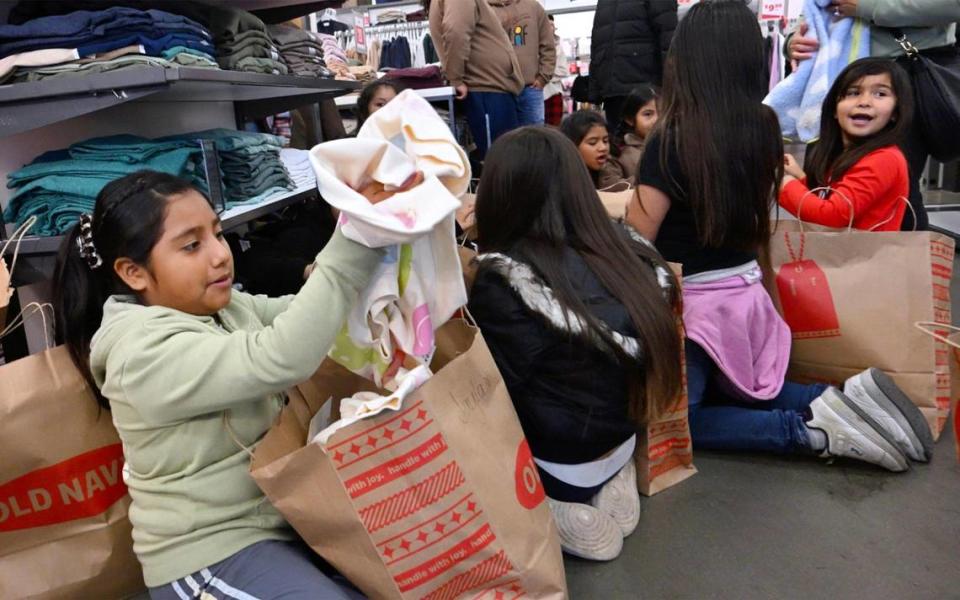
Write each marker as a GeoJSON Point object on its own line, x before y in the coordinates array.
{"type": "Point", "coordinates": [530, 106]}
{"type": "Point", "coordinates": [490, 115]}
{"type": "Point", "coordinates": [718, 424]}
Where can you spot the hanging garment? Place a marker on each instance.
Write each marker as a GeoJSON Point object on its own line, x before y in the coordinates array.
{"type": "Point", "coordinates": [798, 99]}
{"type": "Point", "coordinates": [419, 285]}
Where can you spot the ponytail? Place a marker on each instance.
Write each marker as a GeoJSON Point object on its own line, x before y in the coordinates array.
{"type": "Point", "coordinates": [127, 222]}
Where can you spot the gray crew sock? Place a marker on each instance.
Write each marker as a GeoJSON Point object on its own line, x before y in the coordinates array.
{"type": "Point", "coordinates": [817, 439]}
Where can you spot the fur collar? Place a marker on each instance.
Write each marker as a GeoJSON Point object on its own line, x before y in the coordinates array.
{"type": "Point", "coordinates": [540, 298]}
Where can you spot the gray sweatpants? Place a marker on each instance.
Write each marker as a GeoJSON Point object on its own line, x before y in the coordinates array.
{"type": "Point", "coordinates": [265, 570]}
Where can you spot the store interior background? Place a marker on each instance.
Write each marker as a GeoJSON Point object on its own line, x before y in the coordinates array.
{"type": "Point", "coordinates": [746, 526]}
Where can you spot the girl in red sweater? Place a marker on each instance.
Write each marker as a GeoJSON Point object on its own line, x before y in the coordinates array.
{"type": "Point", "coordinates": [865, 115]}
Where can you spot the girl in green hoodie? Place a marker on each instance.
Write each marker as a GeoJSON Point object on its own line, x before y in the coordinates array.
{"type": "Point", "coordinates": [191, 370]}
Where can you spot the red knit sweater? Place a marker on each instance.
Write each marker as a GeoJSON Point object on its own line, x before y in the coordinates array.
{"type": "Point", "coordinates": [876, 186]}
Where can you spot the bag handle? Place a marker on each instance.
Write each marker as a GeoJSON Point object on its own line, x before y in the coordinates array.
{"type": "Point", "coordinates": [930, 328]}
{"type": "Point", "coordinates": [619, 184]}
{"type": "Point", "coordinates": [17, 239]}
{"type": "Point", "coordinates": [893, 214]}
{"type": "Point", "coordinates": [27, 312]}
{"type": "Point", "coordinates": [824, 189]}
{"type": "Point", "coordinates": [798, 256]}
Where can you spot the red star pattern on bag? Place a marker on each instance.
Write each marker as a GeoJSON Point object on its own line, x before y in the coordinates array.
{"type": "Point", "coordinates": [423, 535]}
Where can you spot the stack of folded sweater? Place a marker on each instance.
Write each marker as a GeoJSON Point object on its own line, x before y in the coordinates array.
{"type": "Point", "coordinates": [334, 57]}
{"type": "Point", "coordinates": [301, 50]}
{"type": "Point", "coordinates": [251, 51]}
{"type": "Point", "coordinates": [298, 165]}
{"type": "Point", "coordinates": [250, 164]}
{"type": "Point", "coordinates": [95, 41]}
{"type": "Point", "coordinates": [59, 186]}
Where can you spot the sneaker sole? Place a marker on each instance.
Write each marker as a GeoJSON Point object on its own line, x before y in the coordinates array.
{"type": "Point", "coordinates": [885, 441]}
{"type": "Point", "coordinates": [919, 428]}
{"type": "Point", "coordinates": [626, 483]}
{"type": "Point", "coordinates": [605, 546]}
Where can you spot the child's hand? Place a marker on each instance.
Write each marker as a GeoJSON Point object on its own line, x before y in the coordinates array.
{"type": "Point", "coordinates": [792, 168]}
{"type": "Point", "coordinates": [376, 192]}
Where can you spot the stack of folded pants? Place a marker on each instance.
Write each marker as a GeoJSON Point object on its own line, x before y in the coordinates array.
{"type": "Point", "coordinates": [334, 57]}
{"type": "Point", "coordinates": [59, 186]}
{"type": "Point", "coordinates": [78, 42]}
{"type": "Point", "coordinates": [250, 164]}
{"type": "Point", "coordinates": [301, 50]}
{"type": "Point", "coordinates": [252, 51]}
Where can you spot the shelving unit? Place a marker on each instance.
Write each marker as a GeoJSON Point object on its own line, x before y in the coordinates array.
{"type": "Point", "coordinates": [64, 110]}
{"type": "Point", "coordinates": [26, 106]}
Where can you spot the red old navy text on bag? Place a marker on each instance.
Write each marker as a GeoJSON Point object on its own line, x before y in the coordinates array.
{"type": "Point", "coordinates": [80, 487]}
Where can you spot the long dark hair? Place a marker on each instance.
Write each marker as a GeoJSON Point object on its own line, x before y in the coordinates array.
{"type": "Point", "coordinates": [535, 200]}
{"type": "Point", "coordinates": [828, 159]}
{"type": "Point", "coordinates": [366, 95]}
{"type": "Point", "coordinates": [127, 222]}
{"type": "Point", "coordinates": [638, 97]}
{"type": "Point", "coordinates": [577, 125]}
{"type": "Point", "coordinates": [728, 143]}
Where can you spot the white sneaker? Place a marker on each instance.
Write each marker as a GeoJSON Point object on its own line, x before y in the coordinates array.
{"type": "Point", "coordinates": [586, 531]}
{"type": "Point", "coordinates": [879, 397]}
{"type": "Point", "coordinates": [853, 433]}
{"type": "Point", "coordinates": [620, 498]}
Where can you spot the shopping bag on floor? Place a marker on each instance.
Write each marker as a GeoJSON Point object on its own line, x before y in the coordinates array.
{"type": "Point", "coordinates": [851, 299]}
{"type": "Point", "coordinates": [664, 454]}
{"type": "Point", "coordinates": [440, 499]}
{"type": "Point", "coordinates": [64, 531]}
{"type": "Point", "coordinates": [944, 332]}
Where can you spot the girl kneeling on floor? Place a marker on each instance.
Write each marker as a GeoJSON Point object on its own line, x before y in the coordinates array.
{"type": "Point", "coordinates": [581, 320]}
{"type": "Point", "coordinates": [707, 184]}
{"type": "Point", "coordinates": [867, 112]}
{"type": "Point", "coordinates": [190, 370]}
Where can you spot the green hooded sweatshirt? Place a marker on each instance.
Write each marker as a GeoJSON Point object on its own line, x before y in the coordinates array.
{"type": "Point", "coordinates": [185, 391]}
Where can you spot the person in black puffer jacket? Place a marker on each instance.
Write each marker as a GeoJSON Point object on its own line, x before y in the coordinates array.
{"type": "Point", "coordinates": [581, 319]}
{"type": "Point", "coordinates": [628, 48]}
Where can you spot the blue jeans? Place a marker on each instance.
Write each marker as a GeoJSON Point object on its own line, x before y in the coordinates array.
{"type": "Point", "coordinates": [499, 109]}
{"type": "Point", "coordinates": [718, 422]}
{"type": "Point", "coordinates": [530, 106]}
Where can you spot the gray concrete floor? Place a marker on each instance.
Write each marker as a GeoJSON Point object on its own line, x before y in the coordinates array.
{"type": "Point", "coordinates": [750, 526]}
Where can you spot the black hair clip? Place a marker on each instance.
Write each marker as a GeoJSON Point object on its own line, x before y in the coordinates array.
{"type": "Point", "coordinates": [88, 251]}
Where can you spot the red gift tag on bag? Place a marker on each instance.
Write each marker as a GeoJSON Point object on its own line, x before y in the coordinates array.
{"type": "Point", "coordinates": [805, 296]}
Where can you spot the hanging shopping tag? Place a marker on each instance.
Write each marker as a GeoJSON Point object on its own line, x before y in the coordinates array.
{"type": "Point", "coordinates": [805, 296]}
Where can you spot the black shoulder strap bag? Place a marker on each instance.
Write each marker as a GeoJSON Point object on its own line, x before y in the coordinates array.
{"type": "Point", "coordinates": [936, 86]}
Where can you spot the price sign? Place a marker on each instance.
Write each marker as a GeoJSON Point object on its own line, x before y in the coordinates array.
{"type": "Point", "coordinates": [772, 10]}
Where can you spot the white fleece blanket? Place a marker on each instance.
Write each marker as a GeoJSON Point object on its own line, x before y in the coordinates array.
{"type": "Point", "coordinates": [418, 286]}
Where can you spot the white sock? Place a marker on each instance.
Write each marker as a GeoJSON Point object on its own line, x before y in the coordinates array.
{"type": "Point", "coordinates": [817, 439]}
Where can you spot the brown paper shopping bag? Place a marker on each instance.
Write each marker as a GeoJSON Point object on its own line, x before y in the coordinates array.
{"type": "Point", "coordinates": [64, 531]}
{"type": "Point", "coordinates": [851, 299]}
{"type": "Point", "coordinates": [615, 200]}
{"type": "Point", "coordinates": [438, 500]}
{"type": "Point", "coordinates": [664, 454]}
{"type": "Point", "coordinates": [944, 332]}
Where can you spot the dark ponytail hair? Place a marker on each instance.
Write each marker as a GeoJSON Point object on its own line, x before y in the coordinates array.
{"type": "Point", "coordinates": [535, 200]}
{"type": "Point", "coordinates": [127, 222]}
{"type": "Point", "coordinates": [577, 125]}
{"type": "Point", "coordinates": [828, 159]}
{"type": "Point", "coordinates": [366, 95]}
